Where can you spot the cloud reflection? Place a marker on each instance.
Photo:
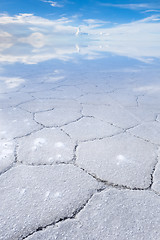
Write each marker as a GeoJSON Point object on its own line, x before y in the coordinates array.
{"type": "Point", "coordinates": [31, 39]}
{"type": "Point", "coordinates": [12, 82]}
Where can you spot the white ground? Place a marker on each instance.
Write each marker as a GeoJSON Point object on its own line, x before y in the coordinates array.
{"type": "Point", "coordinates": [79, 158]}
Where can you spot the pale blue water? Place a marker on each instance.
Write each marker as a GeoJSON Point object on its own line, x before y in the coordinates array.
{"type": "Point", "coordinates": [33, 47]}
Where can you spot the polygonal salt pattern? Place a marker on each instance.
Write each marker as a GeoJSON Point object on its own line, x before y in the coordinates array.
{"type": "Point", "coordinates": [33, 87]}
{"type": "Point", "coordinates": [90, 128]}
{"type": "Point", "coordinates": [150, 100]}
{"type": "Point", "coordinates": [7, 154]}
{"type": "Point", "coordinates": [115, 114]}
{"type": "Point", "coordinates": [45, 94]}
{"type": "Point", "coordinates": [149, 131]}
{"type": "Point", "coordinates": [125, 97]}
{"type": "Point", "coordinates": [61, 92]}
{"type": "Point", "coordinates": [68, 92]}
{"type": "Point", "coordinates": [47, 146]}
{"type": "Point", "coordinates": [38, 105]}
{"type": "Point", "coordinates": [143, 113]}
{"type": "Point", "coordinates": [15, 122]}
{"type": "Point", "coordinates": [65, 112]}
{"type": "Point", "coordinates": [122, 160]}
{"type": "Point", "coordinates": [95, 104]}
{"type": "Point", "coordinates": [96, 99]}
{"type": "Point", "coordinates": [111, 215]}
{"type": "Point", "coordinates": [90, 88]}
{"type": "Point", "coordinates": [33, 197]}
{"type": "Point", "coordinates": [13, 99]}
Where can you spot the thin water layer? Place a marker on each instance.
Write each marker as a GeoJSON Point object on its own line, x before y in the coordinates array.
{"type": "Point", "coordinates": [79, 120]}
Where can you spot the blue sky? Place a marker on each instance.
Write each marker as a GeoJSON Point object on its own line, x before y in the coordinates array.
{"type": "Point", "coordinates": [113, 11]}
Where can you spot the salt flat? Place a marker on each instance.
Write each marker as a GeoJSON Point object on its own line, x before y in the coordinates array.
{"type": "Point", "coordinates": [80, 159]}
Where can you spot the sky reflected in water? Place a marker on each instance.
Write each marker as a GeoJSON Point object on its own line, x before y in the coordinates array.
{"type": "Point", "coordinates": [67, 33]}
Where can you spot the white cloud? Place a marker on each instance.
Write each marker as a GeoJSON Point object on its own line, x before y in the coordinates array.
{"type": "Point", "coordinates": [156, 19]}
{"type": "Point", "coordinates": [151, 10]}
{"type": "Point", "coordinates": [52, 3]}
{"type": "Point", "coordinates": [94, 21]}
{"type": "Point", "coordinates": [149, 19]}
{"type": "Point", "coordinates": [4, 34]}
{"type": "Point", "coordinates": [48, 39]}
{"type": "Point", "coordinates": [6, 40]}
{"type": "Point", "coordinates": [133, 6]}
{"type": "Point", "coordinates": [139, 40]}
{"type": "Point", "coordinates": [30, 19]}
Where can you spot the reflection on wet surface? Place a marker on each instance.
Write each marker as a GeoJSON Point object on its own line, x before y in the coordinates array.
{"type": "Point", "coordinates": [90, 82]}
{"type": "Point", "coordinates": [31, 39]}
{"type": "Point", "coordinates": [31, 47]}
{"type": "Point", "coordinates": [86, 96]}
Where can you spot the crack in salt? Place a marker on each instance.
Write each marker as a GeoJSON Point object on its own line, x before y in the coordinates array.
{"type": "Point", "coordinates": [154, 169]}
{"type": "Point", "coordinates": [72, 216]}
{"type": "Point", "coordinates": [110, 184]}
{"type": "Point", "coordinates": [28, 134]}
